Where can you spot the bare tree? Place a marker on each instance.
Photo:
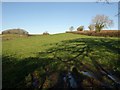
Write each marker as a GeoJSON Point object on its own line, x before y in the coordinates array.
{"type": "Point", "coordinates": [109, 2]}
{"type": "Point", "coordinates": [71, 28]}
{"type": "Point", "coordinates": [101, 21]}
{"type": "Point", "coordinates": [118, 9]}
{"type": "Point", "coordinates": [106, 1]}
{"type": "Point", "coordinates": [91, 27]}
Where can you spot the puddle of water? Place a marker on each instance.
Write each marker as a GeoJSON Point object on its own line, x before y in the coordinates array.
{"type": "Point", "coordinates": [88, 74]}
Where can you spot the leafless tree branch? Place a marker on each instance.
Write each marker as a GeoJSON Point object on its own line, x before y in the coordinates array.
{"type": "Point", "coordinates": [109, 2]}
{"type": "Point", "coordinates": [106, 1]}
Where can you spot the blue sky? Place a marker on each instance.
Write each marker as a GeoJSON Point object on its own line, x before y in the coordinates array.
{"type": "Point", "coordinates": [56, 0]}
{"type": "Point", "coordinates": [54, 17]}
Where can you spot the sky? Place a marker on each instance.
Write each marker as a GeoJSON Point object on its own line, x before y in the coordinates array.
{"type": "Point", "coordinates": [54, 17]}
{"type": "Point", "coordinates": [57, 0]}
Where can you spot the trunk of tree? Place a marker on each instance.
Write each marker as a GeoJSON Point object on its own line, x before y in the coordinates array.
{"type": "Point", "coordinates": [99, 27]}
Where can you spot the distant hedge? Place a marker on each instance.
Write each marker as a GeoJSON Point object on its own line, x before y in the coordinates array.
{"type": "Point", "coordinates": [15, 31]}
{"type": "Point", "coordinates": [104, 33]}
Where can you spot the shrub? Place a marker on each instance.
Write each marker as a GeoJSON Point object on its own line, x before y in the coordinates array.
{"type": "Point", "coordinates": [91, 27]}
{"type": "Point", "coordinates": [45, 33]}
{"type": "Point", "coordinates": [15, 31]}
{"type": "Point", "coordinates": [80, 28]}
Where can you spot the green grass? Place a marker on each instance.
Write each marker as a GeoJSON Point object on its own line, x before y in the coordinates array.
{"type": "Point", "coordinates": [25, 55]}
{"type": "Point", "coordinates": [26, 47]}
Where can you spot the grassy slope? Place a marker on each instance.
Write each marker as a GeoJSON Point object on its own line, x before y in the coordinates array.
{"type": "Point", "coordinates": [104, 50]}
{"type": "Point", "coordinates": [25, 47]}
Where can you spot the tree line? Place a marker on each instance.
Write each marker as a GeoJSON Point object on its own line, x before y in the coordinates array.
{"type": "Point", "coordinates": [99, 22]}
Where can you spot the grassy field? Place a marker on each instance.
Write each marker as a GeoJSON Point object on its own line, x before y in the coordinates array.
{"type": "Point", "coordinates": [53, 54]}
{"type": "Point", "coordinates": [28, 46]}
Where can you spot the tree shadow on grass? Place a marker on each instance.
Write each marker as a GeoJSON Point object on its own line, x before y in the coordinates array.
{"type": "Point", "coordinates": [98, 56]}
{"type": "Point", "coordinates": [14, 70]}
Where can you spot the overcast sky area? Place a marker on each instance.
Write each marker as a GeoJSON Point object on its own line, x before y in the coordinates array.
{"type": "Point", "coordinates": [54, 17]}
